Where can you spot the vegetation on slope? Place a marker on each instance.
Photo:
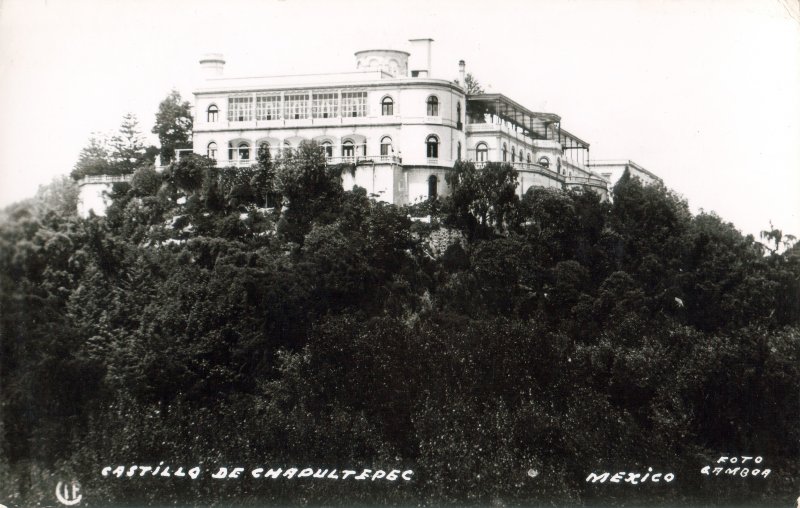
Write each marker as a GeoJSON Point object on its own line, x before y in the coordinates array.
{"type": "Point", "coordinates": [553, 332]}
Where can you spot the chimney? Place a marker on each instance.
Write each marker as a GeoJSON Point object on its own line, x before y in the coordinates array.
{"type": "Point", "coordinates": [462, 76]}
{"type": "Point", "coordinates": [420, 65]}
{"type": "Point", "coordinates": [211, 65]}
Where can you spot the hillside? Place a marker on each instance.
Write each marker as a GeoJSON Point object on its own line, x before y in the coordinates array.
{"type": "Point", "coordinates": [502, 350]}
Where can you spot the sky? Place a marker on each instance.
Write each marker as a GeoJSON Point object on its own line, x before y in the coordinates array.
{"type": "Point", "coordinates": [704, 93]}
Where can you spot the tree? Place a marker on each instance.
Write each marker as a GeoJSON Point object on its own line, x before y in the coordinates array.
{"type": "Point", "coordinates": [60, 196]}
{"type": "Point", "coordinates": [146, 181]}
{"type": "Point", "coordinates": [484, 197]}
{"type": "Point", "coordinates": [93, 159]}
{"type": "Point", "coordinates": [774, 235]}
{"type": "Point", "coordinates": [127, 148]}
{"type": "Point", "coordinates": [263, 179]}
{"type": "Point", "coordinates": [188, 173]}
{"type": "Point", "coordinates": [173, 126]}
{"type": "Point", "coordinates": [119, 155]}
{"type": "Point", "coordinates": [312, 190]}
{"type": "Point", "coordinates": [471, 85]}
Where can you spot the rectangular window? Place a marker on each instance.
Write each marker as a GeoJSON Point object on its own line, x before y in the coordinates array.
{"type": "Point", "coordinates": [433, 150]}
{"type": "Point", "coordinates": [268, 107]}
{"type": "Point", "coordinates": [354, 104]}
{"type": "Point", "coordinates": [296, 106]}
{"type": "Point", "coordinates": [325, 105]}
{"type": "Point", "coordinates": [240, 109]}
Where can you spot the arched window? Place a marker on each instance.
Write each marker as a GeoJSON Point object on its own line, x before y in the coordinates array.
{"type": "Point", "coordinates": [433, 106]}
{"type": "Point", "coordinates": [386, 145]}
{"type": "Point", "coordinates": [458, 151]}
{"type": "Point", "coordinates": [505, 152]}
{"type": "Point", "coordinates": [481, 152]}
{"type": "Point", "coordinates": [544, 162]}
{"type": "Point", "coordinates": [558, 165]}
{"type": "Point", "coordinates": [387, 106]}
{"type": "Point", "coordinates": [212, 114]}
{"type": "Point", "coordinates": [348, 148]}
{"type": "Point", "coordinates": [244, 151]}
{"type": "Point", "coordinates": [432, 147]}
{"type": "Point", "coordinates": [513, 154]}
{"type": "Point", "coordinates": [327, 146]}
{"type": "Point", "coordinates": [459, 125]}
{"type": "Point", "coordinates": [529, 158]}
{"type": "Point", "coordinates": [433, 186]}
{"type": "Point", "coordinates": [211, 150]}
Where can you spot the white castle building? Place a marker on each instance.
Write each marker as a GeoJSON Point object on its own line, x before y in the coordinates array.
{"type": "Point", "coordinates": [400, 127]}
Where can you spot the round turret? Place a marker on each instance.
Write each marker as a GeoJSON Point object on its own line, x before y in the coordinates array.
{"type": "Point", "coordinates": [390, 61]}
{"type": "Point", "coordinates": [212, 65]}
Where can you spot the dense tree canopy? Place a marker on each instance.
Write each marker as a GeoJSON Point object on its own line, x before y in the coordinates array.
{"type": "Point", "coordinates": [258, 316]}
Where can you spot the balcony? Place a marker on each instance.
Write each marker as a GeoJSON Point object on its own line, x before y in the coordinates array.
{"type": "Point", "coordinates": [592, 181]}
{"type": "Point", "coordinates": [105, 179]}
{"type": "Point", "coordinates": [241, 163]}
{"type": "Point", "coordinates": [359, 159]}
{"type": "Point", "coordinates": [522, 166]}
{"type": "Point", "coordinates": [346, 159]}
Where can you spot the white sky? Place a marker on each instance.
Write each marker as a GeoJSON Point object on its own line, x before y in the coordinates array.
{"type": "Point", "coordinates": [705, 93]}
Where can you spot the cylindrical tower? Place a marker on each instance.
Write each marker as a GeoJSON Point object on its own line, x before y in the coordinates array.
{"type": "Point", "coordinates": [390, 61]}
{"type": "Point", "coordinates": [212, 65]}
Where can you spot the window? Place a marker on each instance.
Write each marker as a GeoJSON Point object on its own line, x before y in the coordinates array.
{"type": "Point", "coordinates": [513, 154]}
{"type": "Point", "coordinates": [212, 114]}
{"type": "Point", "coordinates": [558, 165]}
{"type": "Point", "coordinates": [505, 153]}
{"type": "Point", "coordinates": [327, 146]}
{"type": "Point", "coordinates": [386, 145]}
{"type": "Point", "coordinates": [433, 106]}
{"type": "Point", "coordinates": [325, 105]}
{"type": "Point", "coordinates": [387, 106]}
{"type": "Point", "coordinates": [432, 145]}
{"type": "Point", "coordinates": [244, 150]}
{"type": "Point", "coordinates": [240, 109]}
{"type": "Point", "coordinates": [211, 150]}
{"type": "Point", "coordinates": [459, 125]}
{"type": "Point", "coordinates": [354, 104]}
{"type": "Point", "coordinates": [433, 186]}
{"type": "Point", "coordinates": [296, 106]}
{"type": "Point", "coordinates": [348, 148]}
{"type": "Point", "coordinates": [529, 158]}
{"type": "Point", "coordinates": [481, 152]}
{"type": "Point", "coordinates": [458, 151]}
{"type": "Point", "coordinates": [544, 162]}
{"type": "Point", "coordinates": [268, 107]}
{"type": "Point", "coordinates": [238, 152]}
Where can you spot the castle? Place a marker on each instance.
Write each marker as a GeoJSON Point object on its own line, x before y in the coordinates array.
{"type": "Point", "coordinates": [400, 127]}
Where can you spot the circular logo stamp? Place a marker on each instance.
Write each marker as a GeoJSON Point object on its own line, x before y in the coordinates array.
{"type": "Point", "coordinates": [69, 493]}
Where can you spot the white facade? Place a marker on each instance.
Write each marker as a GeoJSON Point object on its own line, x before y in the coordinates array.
{"type": "Point", "coordinates": [386, 123]}
{"type": "Point", "coordinates": [93, 193]}
{"type": "Point", "coordinates": [402, 128]}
